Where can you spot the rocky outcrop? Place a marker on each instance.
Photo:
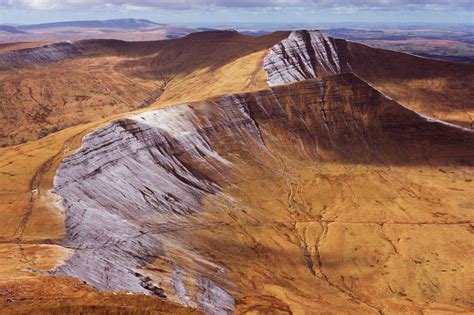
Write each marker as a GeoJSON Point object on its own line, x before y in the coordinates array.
{"type": "Point", "coordinates": [305, 54]}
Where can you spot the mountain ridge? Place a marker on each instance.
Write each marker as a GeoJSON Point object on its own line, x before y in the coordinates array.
{"type": "Point", "coordinates": [211, 189]}
{"type": "Point", "coordinates": [114, 23]}
{"type": "Point", "coordinates": [164, 79]}
{"type": "Point", "coordinates": [339, 118]}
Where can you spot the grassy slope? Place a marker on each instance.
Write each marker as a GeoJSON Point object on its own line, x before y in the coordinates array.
{"type": "Point", "coordinates": [115, 77]}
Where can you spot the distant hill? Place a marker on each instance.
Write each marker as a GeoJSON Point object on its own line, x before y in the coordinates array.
{"type": "Point", "coordinates": [117, 23]}
{"type": "Point", "coordinates": [122, 29]}
{"type": "Point", "coordinates": [11, 29]}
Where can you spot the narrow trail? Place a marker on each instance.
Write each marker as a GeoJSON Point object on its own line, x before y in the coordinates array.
{"type": "Point", "coordinates": [34, 196]}
{"type": "Point", "coordinates": [252, 81]}
{"type": "Point", "coordinates": [35, 187]}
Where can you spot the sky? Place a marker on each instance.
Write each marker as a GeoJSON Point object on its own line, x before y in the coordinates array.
{"type": "Point", "coordinates": [209, 12]}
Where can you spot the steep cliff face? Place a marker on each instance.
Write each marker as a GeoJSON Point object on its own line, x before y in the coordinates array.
{"type": "Point", "coordinates": [155, 168]}
{"type": "Point", "coordinates": [435, 88]}
{"type": "Point", "coordinates": [151, 201]}
{"type": "Point", "coordinates": [303, 55]}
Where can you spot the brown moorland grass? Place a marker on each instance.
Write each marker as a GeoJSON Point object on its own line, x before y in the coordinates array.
{"type": "Point", "coordinates": [113, 77]}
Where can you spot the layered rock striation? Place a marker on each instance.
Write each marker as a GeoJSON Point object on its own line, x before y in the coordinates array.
{"type": "Point", "coordinates": [131, 180]}
{"type": "Point", "coordinates": [305, 54]}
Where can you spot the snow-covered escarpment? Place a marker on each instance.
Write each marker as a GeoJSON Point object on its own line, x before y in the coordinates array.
{"type": "Point", "coordinates": [305, 54]}
{"type": "Point", "coordinates": [133, 184]}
